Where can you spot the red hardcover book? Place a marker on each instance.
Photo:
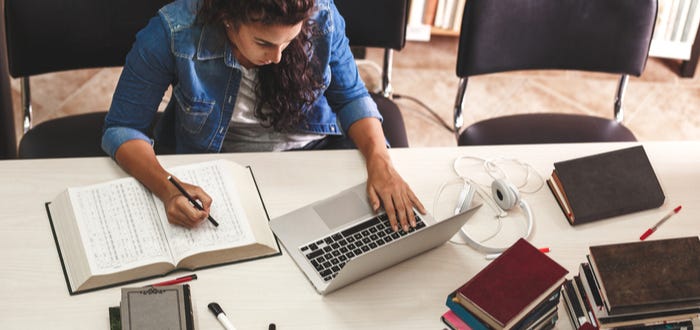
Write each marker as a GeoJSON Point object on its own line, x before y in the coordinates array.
{"type": "Point", "coordinates": [508, 288]}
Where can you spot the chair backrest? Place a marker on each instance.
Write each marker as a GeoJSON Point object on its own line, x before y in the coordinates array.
{"type": "Point", "coordinates": [60, 35]}
{"type": "Point", "coordinates": [375, 23]}
{"type": "Point", "coordinates": [57, 35]}
{"type": "Point", "coordinates": [8, 137]}
{"type": "Point", "coordinates": [379, 24]}
{"type": "Point", "coordinates": [591, 35]}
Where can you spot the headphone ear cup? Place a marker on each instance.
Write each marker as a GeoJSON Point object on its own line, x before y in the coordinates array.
{"type": "Point", "coordinates": [505, 194]}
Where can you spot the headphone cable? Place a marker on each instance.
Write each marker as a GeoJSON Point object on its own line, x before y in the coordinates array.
{"type": "Point", "coordinates": [439, 120]}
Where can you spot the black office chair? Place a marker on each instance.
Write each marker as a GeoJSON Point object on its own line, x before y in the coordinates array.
{"type": "Point", "coordinates": [609, 36]}
{"type": "Point", "coordinates": [58, 35]}
{"type": "Point", "coordinates": [380, 24]}
{"type": "Point", "coordinates": [8, 137]}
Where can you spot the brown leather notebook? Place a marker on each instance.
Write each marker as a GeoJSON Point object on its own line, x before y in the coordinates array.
{"type": "Point", "coordinates": [511, 285]}
{"type": "Point", "coordinates": [605, 185]}
{"type": "Point", "coordinates": [648, 276]}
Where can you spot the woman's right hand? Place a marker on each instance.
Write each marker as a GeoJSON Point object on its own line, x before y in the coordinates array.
{"type": "Point", "coordinates": [181, 212]}
{"type": "Point", "coordinates": [137, 158]}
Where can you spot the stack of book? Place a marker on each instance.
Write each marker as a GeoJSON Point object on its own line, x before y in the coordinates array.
{"type": "Point", "coordinates": [518, 290]}
{"type": "Point", "coordinates": [638, 285]}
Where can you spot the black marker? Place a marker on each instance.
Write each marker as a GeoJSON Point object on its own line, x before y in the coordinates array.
{"type": "Point", "coordinates": [192, 201]}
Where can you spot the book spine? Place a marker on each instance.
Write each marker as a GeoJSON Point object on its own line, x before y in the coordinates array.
{"type": "Point", "coordinates": [578, 318]}
{"type": "Point", "coordinates": [592, 285]}
{"type": "Point", "coordinates": [588, 308]}
{"type": "Point", "coordinates": [463, 314]}
{"type": "Point", "coordinates": [189, 312]}
{"type": "Point", "coordinates": [682, 325]}
{"type": "Point", "coordinates": [537, 312]}
{"type": "Point", "coordinates": [573, 318]}
{"type": "Point", "coordinates": [453, 321]}
{"type": "Point", "coordinates": [558, 196]}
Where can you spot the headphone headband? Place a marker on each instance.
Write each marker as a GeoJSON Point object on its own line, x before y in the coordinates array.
{"type": "Point", "coordinates": [506, 196]}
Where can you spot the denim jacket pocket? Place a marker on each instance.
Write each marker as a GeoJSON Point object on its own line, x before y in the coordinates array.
{"type": "Point", "coordinates": [192, 113]}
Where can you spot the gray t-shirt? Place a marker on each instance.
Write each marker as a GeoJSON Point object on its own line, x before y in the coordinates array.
{"type": "Point", "coordinates": [245, 132]}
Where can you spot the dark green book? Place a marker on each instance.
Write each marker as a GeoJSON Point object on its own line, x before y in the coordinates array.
{"type": "Point", "coordinates": [115, 318]}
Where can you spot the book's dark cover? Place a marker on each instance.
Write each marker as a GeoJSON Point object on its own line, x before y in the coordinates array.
{"type": "Point", "coordinates": [545, 322]}
{"type": "Point", "coordinates": [590, 283]}
{"type": "Point", "coordinates": [574, 308]}
{"type": "Point", "coordinates": [585, 301]}
{"type": "Point", "coordinates": [512, 282]}
{"type": "Point", "coordinates": [608, 184]}
{"type": "Point", "coordinates": [164, 307]}
{"type": "Point", "coordinates": [537, 314]}
{"type": "Point", "coordinates": [65, 272]}
{"type": "Point", "coordinates": [648, 276]}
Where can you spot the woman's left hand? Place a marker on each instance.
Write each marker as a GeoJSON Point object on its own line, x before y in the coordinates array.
{"type": "Point", "coordinates": [386, 187]}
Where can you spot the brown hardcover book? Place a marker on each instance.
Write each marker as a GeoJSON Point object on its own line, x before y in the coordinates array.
{"type": "Point", "coordinates": [599, 314]}
{"type": "Point", "coordinates": [648, 276]}
{"type": "Point", "coordinates": [430, 11]}
{"type": "Point", "coordinates": [605, 185]}
{"type": "Point", "coordinates": [511, 285]}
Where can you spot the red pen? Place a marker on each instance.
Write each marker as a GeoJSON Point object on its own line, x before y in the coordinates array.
{"type": "Point", "coordinates": [177, 280]}
{"type": "Point", "coordinates": [656, 226]}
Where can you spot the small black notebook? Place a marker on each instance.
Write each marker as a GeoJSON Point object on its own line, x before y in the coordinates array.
{"type": "Point", "coordinates": [605, 185]}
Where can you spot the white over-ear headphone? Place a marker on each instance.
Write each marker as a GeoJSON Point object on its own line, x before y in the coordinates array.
{"type": "Point", "coordinates": [506, 196]}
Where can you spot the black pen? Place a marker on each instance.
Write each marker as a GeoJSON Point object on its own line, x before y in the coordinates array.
{"type": "Point", "coordinates": [192, 201]}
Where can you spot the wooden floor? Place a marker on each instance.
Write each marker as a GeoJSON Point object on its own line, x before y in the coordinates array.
{"type": "Point", "coordinates": [658, 106]}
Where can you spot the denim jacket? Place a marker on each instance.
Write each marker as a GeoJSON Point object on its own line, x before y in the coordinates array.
{"type": "Point", "coordinates": [199, 63]}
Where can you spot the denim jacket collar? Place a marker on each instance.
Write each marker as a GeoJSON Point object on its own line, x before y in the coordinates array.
{"type": "Point", "coordinates": [213, 43]}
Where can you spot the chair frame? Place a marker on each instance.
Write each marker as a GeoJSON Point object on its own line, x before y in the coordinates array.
{"type": "Point", "coordinates": [627, 61]}
{"type": "Point", "coordinates": [618, 111]}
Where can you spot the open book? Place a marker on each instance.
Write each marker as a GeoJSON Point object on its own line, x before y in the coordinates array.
{"type": "Point", "coordinates": [117, 232]}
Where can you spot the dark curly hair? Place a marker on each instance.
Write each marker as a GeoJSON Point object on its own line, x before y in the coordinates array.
{"type": "Point", "coordinates": [287, 88]}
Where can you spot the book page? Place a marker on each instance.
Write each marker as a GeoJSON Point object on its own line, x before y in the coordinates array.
{"type": "Point", "coordinates": [119, 226]}
{"type": "Point", "coordinates": [233, 230]}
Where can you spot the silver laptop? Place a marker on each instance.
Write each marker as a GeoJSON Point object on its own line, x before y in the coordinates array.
{"type": "Point", "coordinates": [339, 240]}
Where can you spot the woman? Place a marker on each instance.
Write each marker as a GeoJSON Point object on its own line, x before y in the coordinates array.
{"type": "Point", "coordinates": [247, 75]}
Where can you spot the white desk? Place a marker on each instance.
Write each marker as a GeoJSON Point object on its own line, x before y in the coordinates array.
{"type": "Point", "coordinates": [408, 296]}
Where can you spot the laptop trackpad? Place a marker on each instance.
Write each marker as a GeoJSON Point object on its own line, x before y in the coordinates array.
{"type": "Point", "coordinates": [346, 207]}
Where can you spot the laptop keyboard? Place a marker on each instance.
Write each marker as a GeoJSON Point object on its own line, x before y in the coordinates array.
{"type": "Point", "coordinates": [329, 254]}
